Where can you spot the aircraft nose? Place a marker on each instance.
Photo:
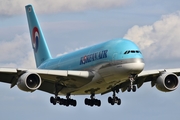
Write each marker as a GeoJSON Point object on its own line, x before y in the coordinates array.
{"type": "Point", "coordinates": [138, 67]}
{"type": "Point", "coordinates": [135, 66]}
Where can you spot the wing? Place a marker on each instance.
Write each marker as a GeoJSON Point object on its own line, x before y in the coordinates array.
{"type": "Point", "coordinates": [156, 77]}
{"type": "Point", "coordinates": [49, 78]}
{"type": "Point", "coordinates": [152, 76]}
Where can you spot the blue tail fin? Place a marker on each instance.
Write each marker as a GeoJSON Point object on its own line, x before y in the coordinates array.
{"type": "Point", "coordinates": [41, 50]}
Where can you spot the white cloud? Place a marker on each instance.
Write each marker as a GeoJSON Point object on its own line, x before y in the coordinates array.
{"type": "Point", "coordinates": [17, 52]}
{"type": "Point", "coordinates": [11, 7]}
{"type": "Point", "coordinates": [141, 35]}
{"type": "Point", "coordinates": [160, 40]}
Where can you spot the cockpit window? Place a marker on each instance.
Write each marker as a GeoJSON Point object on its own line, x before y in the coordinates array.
{"type": "Point", "coordinates": [132, 51]}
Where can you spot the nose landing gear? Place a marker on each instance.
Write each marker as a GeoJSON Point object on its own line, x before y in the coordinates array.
{"type": "Point", "coordinates": [132, 86]}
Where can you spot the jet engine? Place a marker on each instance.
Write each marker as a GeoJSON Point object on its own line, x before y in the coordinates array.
{"type": "Point", "coordinates": [29, 82]}
{"type": "Point", "coordinates": [167, 82]}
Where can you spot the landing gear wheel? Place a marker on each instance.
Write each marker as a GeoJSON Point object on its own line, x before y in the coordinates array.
{"type": "Point", "coordinates": [66, 103]}
{"type": "Point", "coordinates": [114, 99]}
{"type": "Point", "coordinates": [129, 89]}
{"type": "Point", "coordinates": [89, 102]}
{"type": "Point", "coordinates": [109, 99]}
{"type": "Point", "coordinates": [61, 101]}
{"type": "Point", "coordinates": [134, 89]}
{"type": "Point", "coordinates": [119, 101]}
{"type": "Point", "coordinates": [73, 102]}
{"type": "Point", "coordinates": [53, 100]}
{"type": "Point", "coordinates": [86, 101]}
{"type": "Point", "coordinates": [112, 103]}
{"type": "Point", "coordinates": [92, 101]}
{"type": "Point", "coordinates": [97, 102]}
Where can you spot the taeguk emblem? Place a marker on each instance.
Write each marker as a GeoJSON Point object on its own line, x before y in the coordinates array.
{"type": "Point", "coordinates": [35, 38]}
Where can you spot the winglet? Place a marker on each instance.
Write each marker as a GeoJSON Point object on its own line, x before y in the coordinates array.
{"type": "Point", "coordinates": [41, 50]}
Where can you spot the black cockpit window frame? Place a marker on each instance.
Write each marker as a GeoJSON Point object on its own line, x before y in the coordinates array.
{"type": "Point", "coordinates": [132, 51]}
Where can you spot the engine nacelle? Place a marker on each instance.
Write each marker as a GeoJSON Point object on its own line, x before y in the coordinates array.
{"type": "Point", "coordinates": [29, 82]}
{"type": "Point", "coordinates": [167, 82]}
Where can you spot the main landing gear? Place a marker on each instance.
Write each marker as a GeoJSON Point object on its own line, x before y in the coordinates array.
{"type": "Point", "coordinates": [92, 101]}
{"type": "Point", "coordinates": [132, 86]}
{"type": "Point", "coordinates": [114, 99]}
{"type": "Point", "coordinates": [66, 102]}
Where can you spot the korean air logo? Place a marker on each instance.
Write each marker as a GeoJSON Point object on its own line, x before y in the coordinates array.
{"type": "Point", "coordinates": [35, 39]}
{"type": "Point", "coordinates": [94, 57]}
{"type": "Point", "coordinates": [84, 59]}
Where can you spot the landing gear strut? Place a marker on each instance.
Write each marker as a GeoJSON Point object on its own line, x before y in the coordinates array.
{"type": "Point", "coordinates": [114, 99]}
{"type": "Point", "coordinates": [92, 101]}
{"type": "Point", "coordinates": [132, 86]}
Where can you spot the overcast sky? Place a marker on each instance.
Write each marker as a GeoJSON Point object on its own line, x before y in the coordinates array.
{"type": "Point", "coordinates": [69, 25]}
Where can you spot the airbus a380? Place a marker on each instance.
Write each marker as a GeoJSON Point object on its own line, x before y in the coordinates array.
{"type": "Point", "coordinates": [107, 67]}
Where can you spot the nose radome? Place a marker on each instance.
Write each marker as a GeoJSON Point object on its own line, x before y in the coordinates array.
{"type": "Point", "coordinates": [135, 67]}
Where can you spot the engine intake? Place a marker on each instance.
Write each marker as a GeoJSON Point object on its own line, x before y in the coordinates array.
{"type": "Point", "coordinates": [167, 82]}
{"type": "Point", "coordinates": [29, 82]}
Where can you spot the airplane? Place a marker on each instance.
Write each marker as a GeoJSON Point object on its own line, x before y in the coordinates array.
{"type": "Point", "coordinates": [110, 66]}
